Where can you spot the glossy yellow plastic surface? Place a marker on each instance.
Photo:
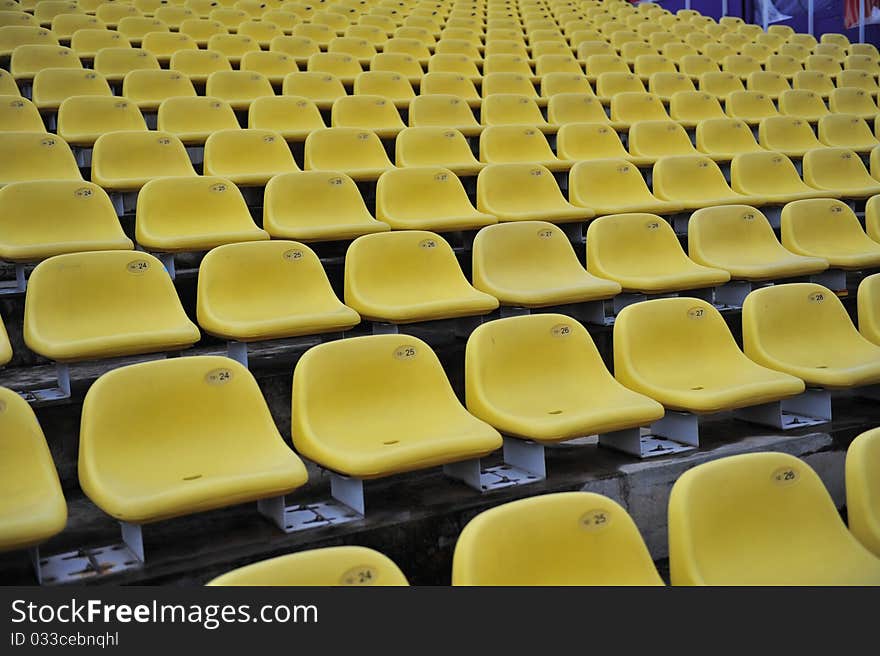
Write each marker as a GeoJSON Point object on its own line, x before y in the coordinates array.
{"type": "Point", "coordinates": [851, 100]}
{"type": "Point", "coordinates": [771, 176]}
{"type": "Point", "coordinates": [35, 156]}
{"type": "Point", "coordinates": [847, 131]}
{"type": "Point", "coordinates": [749, 106]}
{"type": "Point", "coordinates": [248, 157]}
{"type": "Point", "coordinates": [614, 186]}
{"type": "Point", "coordinates": [409, 276]}
{"type": "Point", "coordinates": [8, 86]}
{"type": "Point", "coordinates": [32, 505]}
{"type": "Point", "coordinates": [426, 198]}
{"type": "Point", "coordinates": [83, 306]}
{"type": "Point", "coordinates": [452, 85]}
{"type": "Point", "coordinates": [724, 138]}
{"type": "Point", "coordinates": [513, 109]}
{"type": "Point", "coordinates": [192, 214]}
{"type": "Point", "coordinates": [361, 49]}
{"type": "Point", "coordinates": [42, 218]}
{"type": "Point", "coordinates": [330, 566]}
{"type": "Point", "coordinates": [238, 88]}
{"type": "Point", "coordinates": [197, 65]}
{"type": "Point", "coordinates": [214, 443]}
{"type": "Point", "coordinates": [666, 85]}
{"type": "Point", "coordinates": [234, 46]}
{"type": "Point", "coordinates": [504, 144]}
{"type": "Point", "coordinates": [393, 87]}
{"type": "Point", "coordinates": [540, 377]}
{"type": "Point", "coordinates": [436, 147]}
{"type": "Point", "coordinates": [720, 84]}
{"type": "Point", "coordinates": [773, 84]}
{"type": "Point", "coordinates": [792, 137]}
{"type": "Point", "coordinates": [564, 109]}
{"type": "Point", "coordinates": [829, 229]}
{"type": "Point", "coordinates": [29, 59]}
{"type": "Point", "coordinates": [532, 264]}
{"type": "Point", "coordinates": [5, 345]}
{"type": "Point", "coordinates": [690, 107]}
{"type": "Point", "coordinates": [53, 85]}
{"type": "Point", "coordinates": [115, 63]}
{"type": "Point", "coordinates": [194, 119]}
{"type": "Point", "coordinates": [695, 181]}
{"type": "Point", "coordinates": [274, 66]}
{"type": "Point", "coordinates": [147, 88]}
{"type": "Point", "coordinates": [82, 119]}
{"type": "Point", "coordinates": [869, 308]}
{"type": "Point", "coordinates": [405, 65]}
{"type": "Point", "coordinates": [680, 352]}
{"type": "Point", "coordinates": [293, 117]}
{"type": "Point", "coordinates": [373, 113]}
{"type": "Point", "coordinates": [587, 141]}
{"type": "Point", "coordinates": [445, 111]}
{"type": "Point", "coordinates": [629, 107]}
{"type": "Point", "coordinates": [739, 239]}
{"type": "Point", "coordinates": [268, 290]}
{"type": "Point", "coordinates": [568, 538]}
{"type": "Point", "coordinates": [355, 152]}
{"type": "Point", "coordinates": [18, 114]}
{"type": "Point", "coordinates": [863, 489]}
{"type": "Point", "coordinates": [126, 161]}
{"type": "Point", "coordinates": [761, 519]}
{"type": "Point", "coordinates": [804, 330]}
{"type": "Point", "coordinates": [651, 140]}
{"type": "Point", "coordinates": [321, 88]}
{"type": "Point", "coordinates": [165, 44]}
{"type": "Point", "coordinates": [525, 192]}
{"type": "Point", "coordinates": [316, 206]}
{"type": "Point", "coordinates": [609, 85]}
{"type": "Point", "coordinates": [380, 405]}
{"type": "Point", "coordinates": [642, 253]}
{"type": "Point", "coordinates": [12, 36]}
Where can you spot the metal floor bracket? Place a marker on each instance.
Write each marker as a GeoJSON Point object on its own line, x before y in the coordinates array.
{"type": "Point", "coordinates": [237, 351]}
{"type": "Point", "coordinates": [382, 328]}
{"type": "Point", "coordinates": [523, 464]}
{"type": "Point", "coordinates": [682, 427]}
{"type": "Point", "coordinates": [810, 408]}
{"type": "Point", "coordinates": [513, 311]}
{"type": "Point", "coordinates": [291, 519]}
{"type": "Point", "coordinates": [635, 443]}
{"type": "Point", "coordinates": [19, 286]}
{"type": "Point", "coordinates": [51, 395]}
{"type": "Point", "coordinates": [90, 563]}
{"type": "Point", "coordinates": [600, 313]}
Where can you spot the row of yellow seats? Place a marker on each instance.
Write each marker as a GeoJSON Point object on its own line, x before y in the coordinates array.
{"type": "Point", "coordinates": [583, 538]}
{"type": "Point", "coordinates": [412, 420]}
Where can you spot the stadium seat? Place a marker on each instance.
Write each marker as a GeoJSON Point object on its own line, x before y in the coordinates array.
{"type": "Point", "coordinates": [363, 112]}
{"type": "Point", "coordinates": [46, 10]}
{"type": "Point", "coordinates": [749, 106]}
{"type": "Point", "coordinates": [802, 103]}
{"type": "Point", "coordinates": [194, 119]}
{"type": "Point", "coordinates": [771, 176]}
{"type": "Point", "coordinates": [847, 131]}
{"type": "Point", "coordinates": [867, 63]}
{"type": "Point", "coordinates": [164, 44]}
{"type": "Point", "coordinates": [697, 65]}
{"type": "Point", "coordinates": [829, 229]}
{"type": "Point", "coordinates": [12, 36]}
{"type": "Point", "coordinates": [815, 81]}
{"type": "Point", "coordinates": [457, 64]}
{"type": "Point", "coordinates": [293, 117]}
{"type": "Point", "coordinates": [260, 31]}
{"type": "Point", "coordinates": [274, 66]}
{"type": "Point", "coordinates": [197, 65]}
{"type": "Point", "coordinates": [787, 135]}
{"type": "Point", "coordinates": [409, 276]}
{"type": "Point", "coordinates": [851, 100]}
{"type": "Point", "coordinates": [503, 144]}
{"type": "Point", "coordinates": [238, 88]}
{"type": "Point", "coordinates": [82, 119]}
{"type": "Point", "coordinates": [192, 214]}
{"type": "Point", "coordinates": [393, 87]}
{"type": "Point", "coordinates": [8, 86]}
{"type": "Point", "coordinates": [785, 65]}
{"type": "Point", "coordinates": [720, 84]}
{"type": "Point", "coordinates": [126, 161]}
{"type": "Point", "coordinates": [513, 109]}
{"type": "Point", "coordinates": [147, 88]}
{"type": "Point", "coordinates": [872, 212]}
{"type": "Point", "coordinates": [398, 399]}
{"type": "Point", "coordinates": [249, 157]}
{"type": "Point", "coordinates": [566, 108]}
{"type": "Point", "coordinates": [859, 80]}
{"type": "Point", "coordinates": [229, 17]}
{"type": "Point", "coordinates": [125, 304]}
{"type": "Point", "coordinates": [233, 46]}
{"type": "Point", "coordinates": [115, 63]}
{"type": "Point", "coordinates": [868, 49]}
{"type": "Point", "coordinates": [695, 181]}
{"type": "Point", "coordinates": [5, 345]}
{"type": "Point", "coordinates": [33, 508]}
{"type": "Point", "coordinates": [761, 519]}
{"type": "Point", "coordinates": [532, 264]}
{"type": "Point", "coordinates": [797, 51]}
{"type": "Point", "coordinates": [18, 114]}
{"type": "Point", "coordinates": [869, 317]}
{"type": "Point", "coordinates": [201, 30]}
{"type": "Point", "coordinates": [614, 186]}
{"type": "Point", "coordinates": [52, 86]}
{"type": "Point", "coordinates": [300, 48]}
{"type": "Point", "coordinates": [316, 206]}
{"type": "Point", "coordinates": [267, 290]}
{"type": "Point", "coordinates": [569, 538]}
{"type": "Point", "coordinates": [587, 141]}
{"type": "Point", "coordinates": [135, 28]}
{"type": "Point", "coordinates": [111, 14]}
{"type": "Point", "coordinates": [343, 67]}
{"type": "Point", "coordinates": [739, 239]}
{"type": "Point", "coordinates": [525, 192]}
{"type": "Point", "coordinates": [429, 146]}
{"type": "Point", "coordinates": [629, 107]}
{"type": "Point", "coordinates": [330, 566]}
{"type": "Point", "coordinates": [30, 229]}
{"type": "Point", "coordinates": [690, 107]}
{"type": "Point", "coordinates": [724, 138]}
{"type": "Point", "coordinates": [322, 89]}
{"type": "Point", "coordinates": [609, 85]}
{"type": "Point", "coordinates": [28, 60]}
{"type": "Point", "coordinates": [35, 156]}
{"type": "Point", "coordinates": [651, 140]}
{"type": "Point", "coordinates": [228, 453]}
{"type": "Point", "coordinates": [452, 85]}
{"type": "Point", "coordinates": [641, 252]}
{"type": "Point", "coordinates": [446, 111]}
{"type": "Point", "coordinates": [426, 198]}
{"type": "Point", "coordinates": [862, 492]}
{"type": "Point", "coordinates": [835, 52]}
{"type": "Point", "coordinates": [839, 171]}
{"type": "Point", "coordinates": [647, 65]}
{"type": "Point", "coordinates": [822, 64]}
{"type": "Point", "coordinates": [666, 85]}
{"type": "Point", "coordinates": [357, 153]}
{"type": "Point", "coordinates": [404, 65]}
{"type": "Point", "coordinates": [680, 352]}
{"type": "Point", "coordinates": [768, 82]}
{"type": "Point", "coordinates": [741, 65]}
{"type": "Point", "coordinates": [362, 50]}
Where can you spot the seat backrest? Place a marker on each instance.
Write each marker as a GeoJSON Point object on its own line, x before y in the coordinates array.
{"type": "Point", "coordinates": [764, 172]}
{"type": "Point", "coordinates": [720, 84]}
{"type": "Point", "coordinates": [509, 186]}
{"type": "Point", "coordinates": [18, 114]}
{"type": "Point", "coordinates": [659, 138]}
{"type": "Point", "coordinates": [718, 235]}
{"type": "Point", "coordinates": [238, 152]}
{"type": "Point", "coordinates": [674, 176]}
{"type": "Point", "coordinates": [35, 156]}
{"type": "Point", "coordinates": [138, 154]}
{"type": "Point", "coordinates": [448, 84]}
{"type": "Point", "coordinates": [786, 133]}
{"type": "Point", "coordinates": [433, 146]}
{"type": "Point", "coordinates": [362, 111]}
{"type": "Point", "coordinates": [274, 66]}
{"type": "Point", "coordinates": [514, 143]}
{"type": "Point", "coordinates": [694, 106]}
{"type": "Point", "coordinates": [582, 141]}
{"type": "Point", "coordinates": [635, 106]}
{"type": "Point", "coordinates": [610, 84]}
{"type": "Point", "coordinates": [82, 119]}
{"type": "Point", "coordinates": [334, 149]}
{"type": "Point", "coordinates": [383, 83]}
{"type": "Point", "coordinates": [238, 85]}
{"type": "Point", "coordinates": [202, 115]}
{"type": "Point", "coordinates": [845, 130]}
{"type": "Point", "coordinates": [285, 114]}
{"type": "Point", "coordinates": [565, 108]}
{"type": "Point", "coordinates": [511, 109]}
{"type": "Point", "coordinates": [148, 88]}
{"type": "Point", "coordinates": [810, 225]}
{"type": "Point", "coordinates": [835, 168]}
{"type": "Point", "coordinates": [420, 192]}
{"type": "Point", "coordinates": [622, 244]}
{"type": "Point", "coordinates": [863, 482]}
{"type": "Point", "coordinates": [495, 83]}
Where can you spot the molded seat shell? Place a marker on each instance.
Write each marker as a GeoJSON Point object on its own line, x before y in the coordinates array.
{"type": "Point", "coordinates": [840, 171]}
{"type": "Point", "coordinates": [82, 119]}
{"type": "Point", "coordinates": [446, 111]}
{"type": "Point", "coordinates": [194, 119]}
{"type": "Point", "coordinates": [829, 229]}
{"type": "Point", "coordinates": [18, 114]}
{"type": "Point", "coordinates": [51, 86]}
{"type": "Point", "coordinates": [35, 156]}
{"type": "Point", "coordinates": [847, 131]}
{"type": "Point", "coordinates": [373, 113]}
{"type": "Point", "coordinates": [862, 491]}
{"type": "Point", "coordinates": [293, 117]}
{"type": "Point", "coordinates": [381, 405]}
{"type": "Point", "coordinates": [791, 136]}
{"type": "Point", "coordinates": [215, 443]}
{"type": "Point", "coordinates": [869, 317]}
{"type": "Point", "coordinates": [248, 157]}
{"type": "Point", "coordinates": [126, 161]}
{"type": "Point", "coordinates": [614, 186]}
{"type": "Point", "coordinates": [321, 88]}
{"type": "Point", "coordinates": [5, 345]}
{"type": "Point", "coordinates": [147, 88]}
{"type": "Point", "coordinates": [771, 176]}
{"type": "Point", "coordinates": [506, 144]}
{"type": "Point", "coordinates": [427, 146]}
{"type": "Point", "coordinates": [355, 152]}
{"type": "Point", "coordinates": [694, 182]}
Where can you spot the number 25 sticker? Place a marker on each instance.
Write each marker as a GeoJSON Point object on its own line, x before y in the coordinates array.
{"type": "Point", "coordinates": [405, 352]}
{"type": "Point", "coordinates": [595, 520]}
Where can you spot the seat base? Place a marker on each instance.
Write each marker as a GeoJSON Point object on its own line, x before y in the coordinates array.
{"type": "Point", "coordinates": [51, 395]}
{"type": "Point", "coordinates": [17, 287]}
{"type": "Point", "coordinates": [93, 562]}
{"type": "Point", "coordinates": [523, 464]}
{"type": "Point", "coordinates": [291, 519]}
{"type": "Point", "coordinates": [810, 408]}
{"type": "Point", "coordinates": [633, 442]}
{"type": "Point", "coordinates": [833, 279]}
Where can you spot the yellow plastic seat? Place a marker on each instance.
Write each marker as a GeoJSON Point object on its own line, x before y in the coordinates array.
{"type": "Point", "coordinates": [785, 65]}
{"type": "Point", "coordinates": [513, 109]}
{"type": "Point", "coordinates": [286, 20]}
{"type": "Point", "coordinates": [344, 67]}
{"type": "Point", "coordinates": [147, 88]}
{"type": "Point", "coordinates": [450, 84]}
{"type": "Point", "coordinates": [805, 40]}
{"type": "Point", "coordinates": [767, 82]}
{"type": "Point", "coordinates": [791, 136]}
{"type": "Point", "coordinates": [268, 290]}
{"type": "Point", "coordinates": [233, 46]}
{"type": "Point", "coordinates": [238, 88]}
{"type": "Point", "coordinates": [666, 85]}
{"type": "Point", "coordinates": [761, 519]}
{"type": "Point", "coordinates": [569, 538]}
{"type": "Point", "coordinates": [194, 119]}
{"type": "Point", "coordinates": [112, 13]}
{"type": "Point", "coordinates": [103, 304]}
{"type": "Point", "coordinates": [316, 206]}
{"type": "Point", "coordinates": [872, 209]}
{"type": "Point", "coordinates": [135, 28]}
{"type": "Point", "coordinates": [229, 17]}
{"type": "Point", "coordinates": [741, 65]}
{"type": "Point", "coordinates": [749, 106]}
{"type": "Point", "coordinates": [720, 84]}
{"type": "Point", "coordinates": [680, 52]}
{"type": "Point", "coordinates": [46, 10]}
{"type": "Point", "coordinates": [697, 65]}
{"type": "Point", "coordinates": [862, 492]}
{"type": "Point", "coordinates": [12, 36]}
{"type": "Point", "coordinates": [33, 508]}
{"type": "Point", "coordinates": [816, 81]}
{"type": "Point", "coordinates": [409, 276]}
{"type": "Point", "coordinates": [53, 85]}
{"type": "Point", "coordinates": [509, 83]}
{"type": "Point", "coordinates": [192, 214]}
{"type": "Point", "coordinates": [292, 117]}
{"type": "Point", "coordinates": [587, 141]}
{"type": "Point", "coordinates": [641, 252]}
{"type": "Point", "coordinates": [126, 161]}
{"type": "Point", "coordinates": [532, 264]}
{"type": "Point", "coordinates": [851, 100]}
{"type": "Point", "coordinates": [436, 146]}
{"type": "Point", "coordinates": [355, 152]}
{"type": "Point", "coordinates": [329, 566]}
{"type": "Point", "coordinates": [823, 64]}
{"type": "Point", "coordinates": [300, 48]}
{"type": "Point", "coordinates": [393, 87]}
{"type": "Point", "coordinates": [18, 114]}
{"type": "Point", "coordinates": [680, 352]}
{"type": "Point", "coordinates": [803, 103]}
{"type": "Point", "coordinates": [557, 63]}
{"type": "Point", "coordinates": [629, 107]}
{"type": "Point", "coordinates": [444, 111]}
{"type": "Point", "coordinates": [15, 17]}
{"type": "Point", "coordinates": [847, 131]}
{"type": "Point", "coordinates": [230, 452]}
{"type": "Point", "coordinates": [197, 65]}
{"type": "Point", "coordinates": [28, 60]}
{"type": "Point", "coordinates": [839, 171]}
{"type": "Point", "coordinates": [829, 229]}
{"type": "Point", "coordinates": [30, 230]}
{"type": "Point", "coordinates": [35, 156]}
{"type": "Point", "coordinates": [320, 88]}
{"type": "Point", "coordinates": [115, 63]}
{"type": "Point", "coordinates": [724, 138]}
{"type": "Point", "coordinates": [525, 192]}
{"type": "Point", "coordinates": [260, 31]}
{"type": "Point", "coordinates": [363, 112]}
{"type": "Point", "coordinates": [868, 49]}
{"type": "Point", "coordinates": [458, 64]}
{"type": "Point", "coordinates": [396, 62]}
{"type": "Point", "coordinates": [386, 431]}
{"type": "Point", "coordinates": [647, 65]}
{"type": "Point", "coordinates": [82, 119]}
{"type": "Point", "coordinates": [614, 186]}
{"type": "Point", "coordinates": [609, 85]}
{"type": "Point", "coordinates": [796, 50]}
{"type": "Point", "coordinates": [869, 317]}
{"type": "Point", "coordinates": [456, 47]}
{"type": "Point", "coordinates": [165, 44]}
{"type": "Point", "coordinates": [690, 107]}
{"type": "Point", "coordinates": [803, 329]}
{"type": "Point", "coordinates": [785, 31]}
{"type": "Point", "coordinates": [598, 64]}
{"type": "Point", "coordinates": [248, 157]}
{"type": "Point", "coordinates": [832, 50]}
{"type": "Point", "coordinates": [86, 43]}
{"type": "Point", "coordinates": [858, 79]}
{"type": "Point", "coordinates": [695, 181]}
{"type": "Point", "coordinates": [771, 176]}
{"type": "Point", "coordinates": [739, 239]}
{"type": "Point", "coordinates": [5, 345]}
{"type": "Point", "coordinates": [508, 64]}
{"type": "Point", "coordinates": [201, 30]}
{"type": "Point", "coordinates": [566, 108]}
{"type": "Point", "coordinates": [361, 49]}
{"type": "Point", "coordinates": [590, 47]}
{"type": "Point", "coordinates": [503, 144]}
